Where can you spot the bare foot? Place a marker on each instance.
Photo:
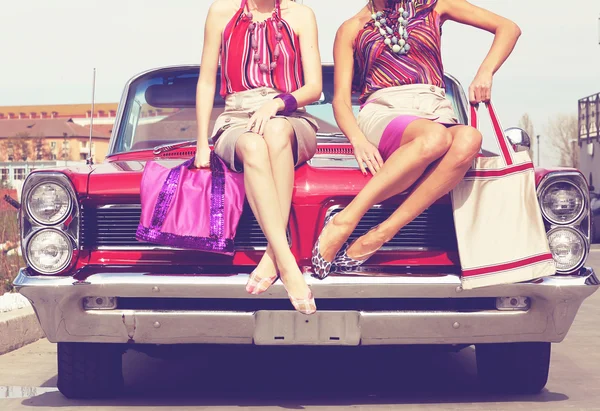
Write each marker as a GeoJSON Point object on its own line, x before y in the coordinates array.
{"type": "Point", "coordinates": [367, 245]}
{"type": "Point", "coordinates": [332, 238]}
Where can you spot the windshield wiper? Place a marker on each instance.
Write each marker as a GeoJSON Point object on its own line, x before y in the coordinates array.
{"type": "Point", "coordinates": [164, 148]}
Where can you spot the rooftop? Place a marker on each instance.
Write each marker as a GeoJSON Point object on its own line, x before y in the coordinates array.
{"type": "Point", "coordinates": [56, 127]}
{"type": "Point", "coordinates": [56, 110]}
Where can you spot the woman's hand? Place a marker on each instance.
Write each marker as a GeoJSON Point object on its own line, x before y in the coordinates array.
{"type": "Point", "coordinates": [506, 33]}
{"type": "Point", "coordinates": [367, 156]}
{"type": "Point", "coordinates": [202, 159]}
{"type": "Point", "coordinates": [261, 117]}
{"type": "Point", "coordinates": [480, 90]}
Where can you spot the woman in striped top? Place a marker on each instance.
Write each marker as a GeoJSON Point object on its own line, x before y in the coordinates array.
{"type": "Point", "coordinates": [270, 69]}
{"type": "Point", "coordinates": [406, 132]}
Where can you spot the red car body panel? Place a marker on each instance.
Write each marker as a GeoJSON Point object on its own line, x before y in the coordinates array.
{"type": "Point", "coordinates": [117, 181]}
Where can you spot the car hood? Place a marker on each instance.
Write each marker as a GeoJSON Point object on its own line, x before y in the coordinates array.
{"type": "Point", "coordinates": [312, 184]}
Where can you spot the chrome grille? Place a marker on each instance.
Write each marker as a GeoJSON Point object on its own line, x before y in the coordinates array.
{"type": "Point", "coordinates": [114, 226]}
{"type": "Point", "coordinates": [432, 230]}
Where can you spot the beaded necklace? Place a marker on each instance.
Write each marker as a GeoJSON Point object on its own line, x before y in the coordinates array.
{"type": "Point", "coordinates": [393, 26]}
{"type": "Point", "coordinates": [265, 68]}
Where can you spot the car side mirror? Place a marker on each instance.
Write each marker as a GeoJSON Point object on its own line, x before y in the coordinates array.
{"type": "Point", "coordinates": [518, 138]}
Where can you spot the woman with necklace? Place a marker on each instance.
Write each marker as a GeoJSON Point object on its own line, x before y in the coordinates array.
{"type": "Point", "coordinates": [406, 133]}
{"type": "Point", "coordinates": [270, 70]}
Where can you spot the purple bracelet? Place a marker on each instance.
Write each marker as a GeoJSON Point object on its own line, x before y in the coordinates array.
{"type": "Point", "coordinates": [291, 105]}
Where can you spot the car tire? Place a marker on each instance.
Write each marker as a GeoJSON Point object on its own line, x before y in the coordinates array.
{"type": "Point", "coordinates": [87, 370]}
{"type": "Point", "coordinates": [513, 368]}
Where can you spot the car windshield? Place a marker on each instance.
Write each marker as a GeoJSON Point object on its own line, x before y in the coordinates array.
{"type": "Point", "coordinates": [160, 109]}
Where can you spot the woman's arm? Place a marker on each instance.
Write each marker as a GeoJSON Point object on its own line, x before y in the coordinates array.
{"type": "Point", "coordinates": [311, 66]}
{"type": "Point", "coordinates": [343, 56]}
{"type": "Point", "coordinates": [506, 33]}
{"type": "Point", "coordinates": [207, 80]}
{"type": "Point", "coordinates": [311, 60]}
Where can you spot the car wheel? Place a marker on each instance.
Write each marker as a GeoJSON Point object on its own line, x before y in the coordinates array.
{"type": "Point", "coordinates": [87, 370]}
{"type": "Point", "coordinates": [515, 368]}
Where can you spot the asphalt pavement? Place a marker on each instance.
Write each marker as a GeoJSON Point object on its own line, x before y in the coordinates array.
{"type": "Point", "coordinates": [314, 379]}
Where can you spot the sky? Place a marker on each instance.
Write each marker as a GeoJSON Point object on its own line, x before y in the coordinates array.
{"type": "Point", "coordinates": [50, 48]}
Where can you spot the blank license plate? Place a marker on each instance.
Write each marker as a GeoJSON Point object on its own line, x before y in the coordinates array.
{"type": "Point", "coordinates": [293, 328]}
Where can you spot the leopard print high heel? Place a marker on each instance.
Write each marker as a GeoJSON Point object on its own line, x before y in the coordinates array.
{"type": "Point", "coordinates": [321, 267]}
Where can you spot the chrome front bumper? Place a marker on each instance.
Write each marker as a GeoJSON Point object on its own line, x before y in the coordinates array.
{"type": "Point", "coordinates": [58, 304]}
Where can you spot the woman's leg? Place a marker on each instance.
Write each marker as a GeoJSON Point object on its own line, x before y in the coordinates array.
{"type": "Point", "coordinates": [261, 192]}
{"type": "Point", "coordinates": [438, 181]}
{"type": "Point", "coordinates": [280, 139]}
{"type": "Point", "coordinates": [423, 142]}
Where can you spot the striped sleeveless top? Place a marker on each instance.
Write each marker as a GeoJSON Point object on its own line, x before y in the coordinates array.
{"type": "Point", "coordinates": [377, 67]}
{"type": "Point", "coordinates": [239, 69]}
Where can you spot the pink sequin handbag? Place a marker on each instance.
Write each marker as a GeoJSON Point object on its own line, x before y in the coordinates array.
{"type": "Point", "coordinates": [191, 208]}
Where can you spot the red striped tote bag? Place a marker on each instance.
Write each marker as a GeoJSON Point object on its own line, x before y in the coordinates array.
{"type": "Point", "coordinates": [499, 226]}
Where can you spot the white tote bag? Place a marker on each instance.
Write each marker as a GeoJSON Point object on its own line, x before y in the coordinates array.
{"type": "Point", "coordinates": [499, 226]}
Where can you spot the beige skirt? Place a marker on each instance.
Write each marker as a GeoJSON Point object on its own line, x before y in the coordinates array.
{"type": "Point", "coordinates": [419, 100]}
{"type": "Point", "coordinates": [239, 107]}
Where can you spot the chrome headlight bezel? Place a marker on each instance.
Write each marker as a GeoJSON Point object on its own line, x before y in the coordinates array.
{"type": "Point", "coordinates": [583, 222]}
{"type": "Point", "coordinates": [582, 225]}
{"type": "Point", "coordinates": [38, 220]}
{"type": "Point", "coordinates": [586, 246]}
{"type": "Point", "coordinates": [69, 225]}
{"type": "Point", "coordinates": [60, 268]}
{"type": "Point", "coordinates": [577, 217]}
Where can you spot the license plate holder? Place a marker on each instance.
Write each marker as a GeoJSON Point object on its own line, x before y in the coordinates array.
{"type": "Point", "coordinates": [294, 328]}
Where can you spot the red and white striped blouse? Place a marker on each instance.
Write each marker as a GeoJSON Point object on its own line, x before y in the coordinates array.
{"type": "Point", "coordinates": [239, 69]}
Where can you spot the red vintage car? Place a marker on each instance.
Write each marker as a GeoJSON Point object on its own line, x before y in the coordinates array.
{"type": "Point", "coordinates": [98, 292]}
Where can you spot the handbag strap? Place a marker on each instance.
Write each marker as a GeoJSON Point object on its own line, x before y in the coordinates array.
{"type": "Point", "coordinates": [217, 196]}
{"type": "Point", "coordinates": [505, 146]}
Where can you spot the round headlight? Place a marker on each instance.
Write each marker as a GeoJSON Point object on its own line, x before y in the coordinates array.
{"type": "Point", "coordinates": [49, 203]}
{"type": "Point", "coordinates": [562, 202]}
{"type": "Point", "coordinates": [49, 251]}
{"type": "Point", "coordinates": [568, 247]}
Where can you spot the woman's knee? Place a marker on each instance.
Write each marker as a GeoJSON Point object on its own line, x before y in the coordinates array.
{"type": "Point", "coordinates": [435, 142]}
{"type": "Point", "coordinates": [252, 150]}
{"type": "Point", "coordinates": [277, 135]}
{"type": "Point", "coordinates": [466, 145]}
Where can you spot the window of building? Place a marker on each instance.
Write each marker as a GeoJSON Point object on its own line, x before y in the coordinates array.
{"type": "Point", "coordinates": [84, 144]}
{"type": "Point", "coordinates": [19, 174]}
{"type": "Point", "coordinates": [5, 174]}
{"type": "Point", "coordinates": [53, 145]}
{"type": "Point", "coordinates": [10, 151]}
{"type": "Point", "coordinates": [52, 156]}
{"type": "Point", "coordinates": [83, 156]}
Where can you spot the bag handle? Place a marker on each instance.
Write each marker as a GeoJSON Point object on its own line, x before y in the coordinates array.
{"type": "Point", "coordinates": [217, 196]}
{"type": "Point", "coordinates": [505, 145]}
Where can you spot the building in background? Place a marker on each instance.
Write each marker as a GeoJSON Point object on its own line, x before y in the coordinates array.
{"type": "Point", "coordinates": [46, 136]}
{"type": "Point", "coordinates": [589, 139]}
